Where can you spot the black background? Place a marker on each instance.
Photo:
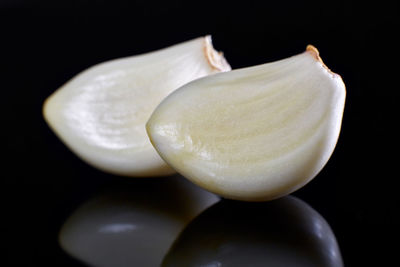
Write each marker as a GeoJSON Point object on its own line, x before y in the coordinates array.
{"type": "Point", "coordinates": [45, 43]}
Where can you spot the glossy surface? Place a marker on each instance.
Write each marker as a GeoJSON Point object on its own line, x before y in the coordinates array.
{"type": "Point", "coordinates": [256, 133]}
{"type": "Point", "coordinates": [280, 233]}
{"type": "Point", "coordinates": [101, 113]}
{"type": "Point", "coordinates": [133, 226]}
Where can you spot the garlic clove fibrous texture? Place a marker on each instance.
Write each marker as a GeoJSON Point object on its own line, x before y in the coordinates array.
{"type": "Point", "coordinates": [101, 113]}
{"type": "Point", "coordinates": [255, 133]}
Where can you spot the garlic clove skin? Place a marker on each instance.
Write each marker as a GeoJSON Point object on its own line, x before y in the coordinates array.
{"type": "Point", "coordinates": [125, 227]}
{"type": "Point", "coordinates": [253, 134]}
{"type": "Point", "coordinates": [280, 233]}
{"type": "Point", "coordinates": [101, 113]}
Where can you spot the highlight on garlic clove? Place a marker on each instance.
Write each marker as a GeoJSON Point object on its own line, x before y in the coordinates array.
{"type": "Point", "coordinates": [256, 133]}
{"type": "Point", "coordinates": [280, 233]}
{"type": "Point", "coordinates": [101, 113]}
{"type": "Point", "coordinates": [134, 225]}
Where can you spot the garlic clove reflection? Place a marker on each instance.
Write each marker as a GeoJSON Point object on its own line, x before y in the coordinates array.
{"type": "Point", "coordinates": [133, 226]}
{"type": "Point", "coordinates": [279, 233]}
{"type": "Point", "coordinates": [101, 113]}
{"type": "Point", "coordinates": [256, 133]}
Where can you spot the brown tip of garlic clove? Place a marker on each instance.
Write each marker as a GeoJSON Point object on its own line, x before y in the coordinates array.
{"type": "Point", "coordinates": [315, 53]}
{"type": "Point", "coordinates": [215, 59]}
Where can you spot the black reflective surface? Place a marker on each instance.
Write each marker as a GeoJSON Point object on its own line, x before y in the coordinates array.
{"type": "Point", "coordinates": [134, 225]}
{"type": "Point", "coordinates": [284, 232]}
{"type": "Point", "coordinates": [186, 226]}
{"type": "Point", "coordinates": [45, 43]}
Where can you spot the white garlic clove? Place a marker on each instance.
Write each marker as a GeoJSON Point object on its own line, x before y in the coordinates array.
{"type": "Point", "coordinates": [101, 113]}
{"type": "Point", "coordinates": [135, 225]}
{"type": "Point", "coordinates": [280, 233]}
{"type": "Point", "coordinates": [256, 133]}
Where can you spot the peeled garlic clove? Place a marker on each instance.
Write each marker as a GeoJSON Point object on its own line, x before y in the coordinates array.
{"type": "Point", "coordinates": [280, 233]}
{"type": "Point", "coordinates": [125, 227]}
{"type": "Point", "coordinates": [101, 113]}
{"type": "Point", "coordinates": [256, 133]}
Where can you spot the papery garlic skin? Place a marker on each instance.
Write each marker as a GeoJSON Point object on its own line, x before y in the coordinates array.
{"type": "Point", "coordinates": [101, 113]}
{"type": "Point", "coordinates": [256, 133]}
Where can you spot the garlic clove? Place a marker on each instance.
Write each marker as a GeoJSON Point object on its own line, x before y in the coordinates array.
{"type": "Point", "coordinates": [101, 113]}
{"type": "Point", "coordinates": [256, 133]}
{"type": "Point", "coordinates": [284, 232]}
{"type": "Point", "coordinates": [126, 227]}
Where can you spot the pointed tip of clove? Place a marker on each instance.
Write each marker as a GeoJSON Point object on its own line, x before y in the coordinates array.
{"type": "Point", "coordinates": [215, 59]}
{"type": "Point", "coordinates": [313, 51]}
